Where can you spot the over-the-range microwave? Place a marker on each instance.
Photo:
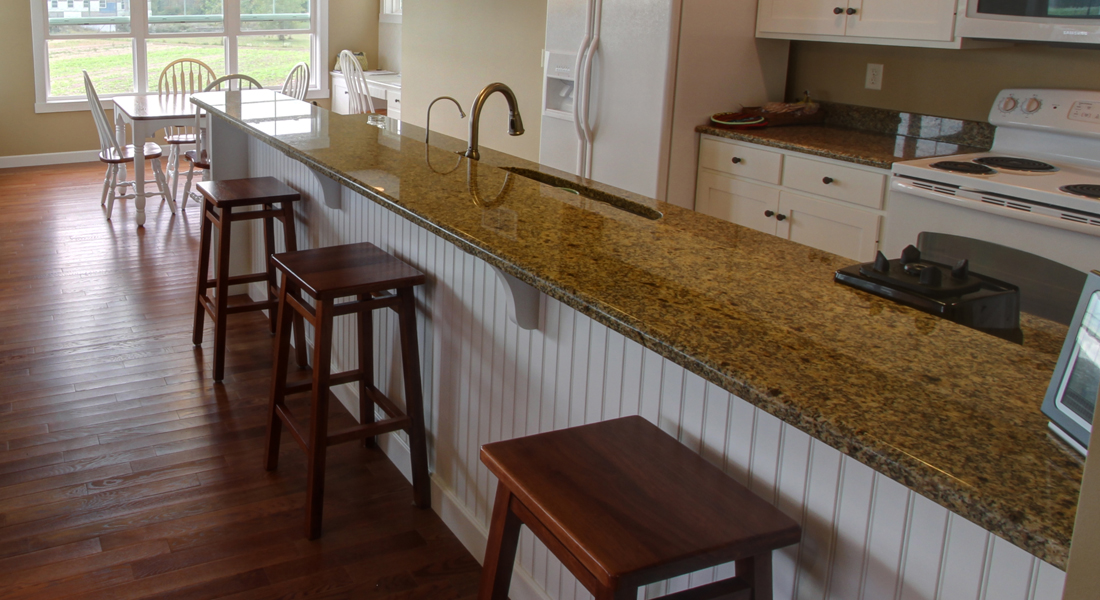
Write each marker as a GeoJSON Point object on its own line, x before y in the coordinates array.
{"type": "Point", "coordinates": [1074, 21]}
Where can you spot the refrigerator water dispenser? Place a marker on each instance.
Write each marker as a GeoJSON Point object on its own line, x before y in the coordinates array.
{"type": "Point", "coordinates": [558, 89]}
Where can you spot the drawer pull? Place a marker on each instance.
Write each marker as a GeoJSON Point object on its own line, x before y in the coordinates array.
{"type": "Point", "coordinates": [781, 217]}
{"type": "Point", "coordinates": [838, 11]}
{"type": "Point", "coordinates": [827, 180]}
{"type": "Point", "coordinates": [736, 160]}
{"type": "Point", "coordinates": [769, 213]}
{"type": "Point", "coordinates": [851, 11]}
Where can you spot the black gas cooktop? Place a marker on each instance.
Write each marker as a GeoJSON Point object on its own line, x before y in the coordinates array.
{"type": "Point", "coordinates": [949, 291]}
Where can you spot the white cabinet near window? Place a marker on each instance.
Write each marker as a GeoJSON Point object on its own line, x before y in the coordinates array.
{"type": "Point", "coordinates": [929, 23]}
{"type": "Point", "coordinates": [385, 92]}
{"type": "Point", "coordinates": [822, 203]}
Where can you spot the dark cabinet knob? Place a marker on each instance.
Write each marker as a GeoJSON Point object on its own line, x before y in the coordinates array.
{"type": "Point", "coordinates": [838, 11]}
{"type": "Point", "coordinates": [851, 11]}
{"type": "Point", "coordinates": [736, 160]}
{"type": "Point", "coordinates": [769, 213]}
{"type": "Point", "coordinates": [827, 180]}
{"type": "Point", "coordinates": [781, 217]}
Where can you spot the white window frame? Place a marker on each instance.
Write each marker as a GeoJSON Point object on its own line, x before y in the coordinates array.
{"type": "Point", "coordinates": [139, 33]}
{"type": "Point", "coordinates": [389, 11]}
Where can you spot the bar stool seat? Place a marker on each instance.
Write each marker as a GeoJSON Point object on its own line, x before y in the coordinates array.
{"type": "Point", "coordinates": [221, 200]}
{"type": "Point", "coordinates": [375, 280]}
{"type": "Point", "coordinates": [622, 504]}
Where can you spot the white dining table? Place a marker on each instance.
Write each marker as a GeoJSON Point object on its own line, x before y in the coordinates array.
{"type": "Point", "coordinates": [146, 114]}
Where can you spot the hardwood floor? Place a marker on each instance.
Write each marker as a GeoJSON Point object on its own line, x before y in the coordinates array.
{"type": "Point", "coordinates": [125, 472]}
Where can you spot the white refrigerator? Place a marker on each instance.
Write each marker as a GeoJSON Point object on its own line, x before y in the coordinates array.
{"type": "Point", "coordinates": [627, 81]}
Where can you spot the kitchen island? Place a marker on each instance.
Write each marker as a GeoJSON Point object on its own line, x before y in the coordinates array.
{"type": "Point", "coordinates": [898, 440]}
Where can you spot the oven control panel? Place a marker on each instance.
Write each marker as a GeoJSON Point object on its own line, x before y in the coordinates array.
{"type": "Point", "coordinates": [1073, 111]}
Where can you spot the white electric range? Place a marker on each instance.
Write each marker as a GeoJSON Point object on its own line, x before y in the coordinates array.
{"type": "Point", "coordinates": [1036, 190]}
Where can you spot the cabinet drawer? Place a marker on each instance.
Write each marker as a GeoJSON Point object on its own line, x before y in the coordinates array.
{"type": "Point", "coordinates": [834, 181]}
{"type": "Point", "coordinates": [846, 231]}
{"type": "Point", "coordinates": [737, 201]}
{"type": "Point", "coordinates": [743, 161]}
{"type": "Point", "coordinates": [393, 104]}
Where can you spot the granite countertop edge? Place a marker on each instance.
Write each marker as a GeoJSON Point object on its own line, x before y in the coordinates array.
{"type": "Point", "coordinates": [925, 479]}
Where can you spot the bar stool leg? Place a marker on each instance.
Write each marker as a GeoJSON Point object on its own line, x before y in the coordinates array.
{"type": "Point", "coordinates": [278, 380]}
{"type": "Point", "coordinates": [290, 240]}
{"type": "Point", "coordinates": [222, 285]}
{"type": "Point", "coordinates": [500, 550]}
{"type": "Point", "coordinates": [365, 320]}
{"type": "Point", "coordinates": [414, 403]}
{"type": "Point", "coordinates": [318, 426]}
{"type": "Point", "coordinates": [204, 272]}
{"type": "Point", "coordinates": [757, 572]}
{"type": "Point", "coordinates": [269, 267]}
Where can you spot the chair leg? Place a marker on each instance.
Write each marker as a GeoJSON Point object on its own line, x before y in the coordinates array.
{"type": "Point", "coordinates": [114, 169]}
{"type": "Point", "coordinates": [174, 166]}
{"type": "Point", "coordinates": [278, 380]}
{"type": "Point", "coordinates": [365, 320]}
{"type": "Point", "coordinates": [318, 424]}
{"type": "Point", "coordinates": [221, 303]}
{"type": "Point", "coordinates": [106, 185]}
{"type": "Point", "coordinates": [757, 572]}
{"type": "Point", "coordinates": [204, 272]}
{"type": "Point", "coordinates": [187, 185]}
{"type": "Point", "coordinates": [414, 402]}
{"type": "Point", "coordinates": [290, 241]}
{"type": "Point", "coordinates": [269, 266]}
{"type": "Point", "coordinates": [500, 551]}
{"type": "Point", "coordinates": [162, 182]}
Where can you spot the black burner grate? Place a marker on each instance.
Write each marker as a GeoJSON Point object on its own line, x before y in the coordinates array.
{"type": "Point", "coordinates": [1010, 163]}
{"type": "Point", "coordinates": [963, 167]}
{"type": "Point", "coordinates": [1088, 190]}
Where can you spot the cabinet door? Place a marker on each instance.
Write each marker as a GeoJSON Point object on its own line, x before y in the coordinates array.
{"type": "Point", "coordinates": [803, 16]}
{"type": "Point", "coordinates": [339, 95]}
{"type": "Point", "coordinates": [737, 201]}
{"type": "Point", "coordinates": [842, 230]}
{"type": "Point", "coordinates": [903, 19]}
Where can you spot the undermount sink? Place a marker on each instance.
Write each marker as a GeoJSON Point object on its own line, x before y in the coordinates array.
{"type": "Point", "coordinates": [586, 192]}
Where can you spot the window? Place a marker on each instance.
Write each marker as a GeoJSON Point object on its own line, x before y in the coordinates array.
{"type": "Point", "coordinates": [389, 11]}
{"type": "Point", "coordinates": [125, 44]}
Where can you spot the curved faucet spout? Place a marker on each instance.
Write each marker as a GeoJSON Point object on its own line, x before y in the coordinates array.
{"type": "Point", "coordinates": [515, 121]}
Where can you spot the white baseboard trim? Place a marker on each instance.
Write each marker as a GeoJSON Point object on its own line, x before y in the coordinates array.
{"type": "Point", "coordinates": [53, 158]}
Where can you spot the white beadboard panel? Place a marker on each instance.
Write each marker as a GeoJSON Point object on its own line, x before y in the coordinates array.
{"type": "Point", "coordinates": [865, 536]}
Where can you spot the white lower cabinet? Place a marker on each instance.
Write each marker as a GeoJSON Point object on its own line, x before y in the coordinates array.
{"type": "Point", "coordinates": [843, 217]}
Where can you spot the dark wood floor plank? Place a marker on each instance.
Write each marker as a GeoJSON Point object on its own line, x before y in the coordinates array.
{"type": "Point", "coordinates": [125, 472]}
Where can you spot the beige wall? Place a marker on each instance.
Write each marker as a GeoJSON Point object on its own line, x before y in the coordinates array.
{"type": "Point", "coordinates": [352, 24]}
{"type": "Point", "coordinates": [950, 83]}
{"type": "Point", "coordinates": [456, 47]}
{"type": "Point", "coordinates": [389, 46]}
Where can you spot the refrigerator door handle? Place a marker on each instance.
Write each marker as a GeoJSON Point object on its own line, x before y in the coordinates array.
{"type": "Point", "coordinates": [586, 77]}
{"type": "Point", "coordinates": [580, 91]}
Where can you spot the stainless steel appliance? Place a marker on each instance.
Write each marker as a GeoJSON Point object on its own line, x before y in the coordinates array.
{"type": "Point", "coordinates": [1075, 21]}
{"type": "Point", "coordinates": [1071, 398]}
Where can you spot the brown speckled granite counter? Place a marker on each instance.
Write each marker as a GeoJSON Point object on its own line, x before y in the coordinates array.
{"type": "Point", "coordinates": [872, 137]}
{"type": "Point", "coordinates": [949, 412]}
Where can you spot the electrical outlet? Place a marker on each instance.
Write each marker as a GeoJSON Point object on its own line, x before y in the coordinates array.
{"type": "Point", "coordinates": [874, 77]}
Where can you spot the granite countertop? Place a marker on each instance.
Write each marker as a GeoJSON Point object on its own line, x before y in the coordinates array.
{"type": "Point", "coordinates": [872, 137]}
{"type": "Point", "coordinates": [948, 411]}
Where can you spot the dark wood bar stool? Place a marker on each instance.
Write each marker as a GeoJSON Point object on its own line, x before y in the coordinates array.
{"type": "Point", "coordinates": [220, 200]}
{"type": "Point", "coordinates": [622, 504]}
{"type": "Point", "coordinates": [376, 280]}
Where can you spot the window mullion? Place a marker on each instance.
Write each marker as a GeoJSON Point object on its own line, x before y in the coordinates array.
{"type": "Point", "coordinates": [232, 30]}
{"type": "Point", "coordinates": [139, 27]}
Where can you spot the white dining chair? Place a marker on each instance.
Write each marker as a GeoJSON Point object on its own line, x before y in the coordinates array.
{"type": "Point", "coordinates": [113, 154]}
{"type": "Point", "coordinates": [199, 157]}
{"type": "Point", "coordinates": [183, 76]}
{"type": "Point", "coordinates": [297, 82]}
{"type": "Point", "coordinates": [359, 101]}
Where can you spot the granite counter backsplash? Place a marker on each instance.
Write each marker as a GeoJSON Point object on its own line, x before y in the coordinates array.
{"type": "Point", "coordinates": [870, 136]}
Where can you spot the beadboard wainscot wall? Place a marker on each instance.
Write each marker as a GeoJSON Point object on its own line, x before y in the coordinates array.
{"type": "Point", "coordinates": [866, 537]}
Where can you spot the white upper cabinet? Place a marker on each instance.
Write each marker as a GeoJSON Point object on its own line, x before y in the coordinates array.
{"type": "Point", "coordinates": [928, 23]}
